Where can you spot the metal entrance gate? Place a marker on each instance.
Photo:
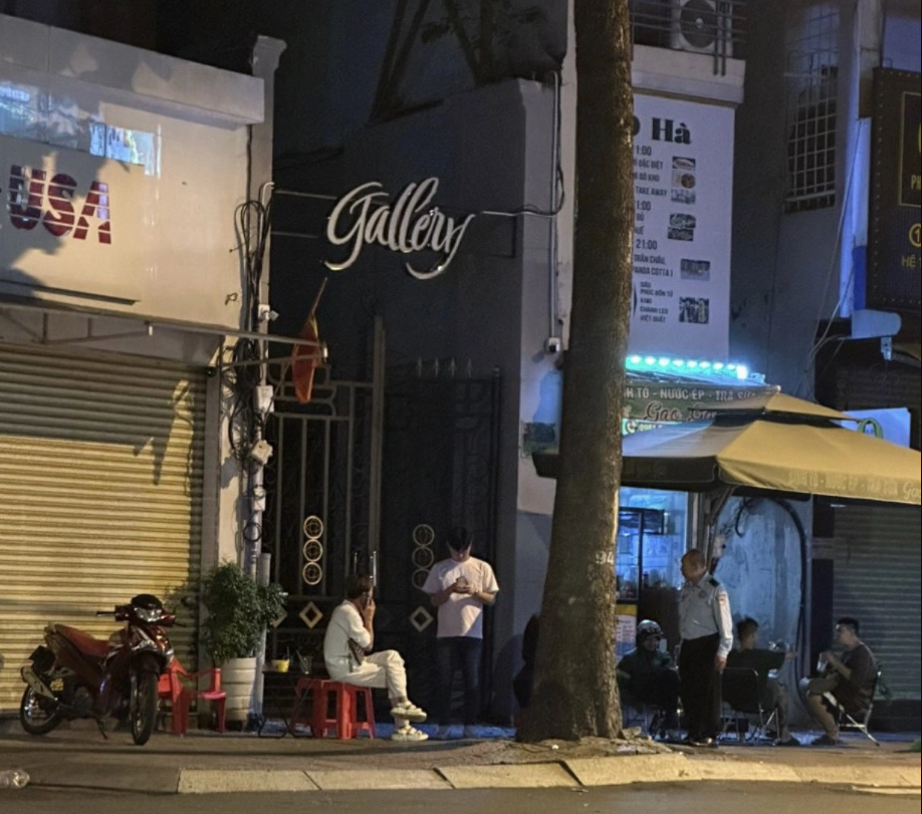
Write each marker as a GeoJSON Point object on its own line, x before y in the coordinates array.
{"type": "Point", "coordinates": [363, 463]}
{"type": "Point", "coordinates": [440, 470]}
{"type": "Point", "coordinates": [319, 504]}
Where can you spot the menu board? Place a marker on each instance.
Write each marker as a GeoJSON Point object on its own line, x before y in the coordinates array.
{"type": "Point", "coordinates": [683, 191]}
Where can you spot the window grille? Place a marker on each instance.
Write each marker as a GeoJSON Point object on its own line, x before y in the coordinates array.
{"type": "Point", "coordinates": [812, 53]}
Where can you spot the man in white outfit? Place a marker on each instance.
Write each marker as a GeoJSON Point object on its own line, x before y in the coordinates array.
{"type": "Point", "coordinates": [353, 622]}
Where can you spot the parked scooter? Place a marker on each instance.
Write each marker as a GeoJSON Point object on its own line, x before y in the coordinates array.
{"type": "Point", "coordinates": [74, 675]}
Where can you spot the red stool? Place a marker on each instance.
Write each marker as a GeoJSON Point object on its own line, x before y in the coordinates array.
{"type": "Point", "coordinates": [346, 722]}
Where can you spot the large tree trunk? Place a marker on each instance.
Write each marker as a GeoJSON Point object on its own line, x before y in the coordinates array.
{"type": "Point", "coordinates": [576, 692]}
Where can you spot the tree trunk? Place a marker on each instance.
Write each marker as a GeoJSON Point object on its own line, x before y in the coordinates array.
{"type": "Point", "coordinates": [576, 691]}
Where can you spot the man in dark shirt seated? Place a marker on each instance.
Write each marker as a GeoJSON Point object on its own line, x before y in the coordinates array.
{"type": "Point", "coordinates": [850, 679]}
{"type": "Point", "coordinates": [773, 695]}
{"type": "Point", "coordinates": [647, 675]}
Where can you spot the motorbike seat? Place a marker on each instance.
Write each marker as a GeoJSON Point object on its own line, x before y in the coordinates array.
{"type": "Point", "coordinates": [84, 642]}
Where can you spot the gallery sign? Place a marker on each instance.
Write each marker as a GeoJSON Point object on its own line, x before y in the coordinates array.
{"type": "Point", "coordinates": [894, 260]}
{"type": "Point", "coordinates": [366, 216]}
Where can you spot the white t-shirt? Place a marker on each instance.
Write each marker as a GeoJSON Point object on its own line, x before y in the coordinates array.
{"type": "Point", "coordinates": [345, 623]}
{"type": "Point", "coordinates": [461, 615]}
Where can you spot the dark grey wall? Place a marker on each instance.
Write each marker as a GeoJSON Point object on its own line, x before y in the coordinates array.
{"type": "Point", "coordinates": [329, 77]}
{"type": "Point", "coordinates": [475, 145]}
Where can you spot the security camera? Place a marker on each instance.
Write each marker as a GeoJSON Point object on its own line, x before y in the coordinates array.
{"type": "Point", "coordinates": [553, 345]}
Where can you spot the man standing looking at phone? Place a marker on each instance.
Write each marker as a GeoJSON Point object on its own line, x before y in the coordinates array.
{"type": "Point", "coordinates": [460, 587]}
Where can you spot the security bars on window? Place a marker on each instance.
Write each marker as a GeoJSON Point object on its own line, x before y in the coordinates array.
{"type": "Point", "coordinates": [812, 76]}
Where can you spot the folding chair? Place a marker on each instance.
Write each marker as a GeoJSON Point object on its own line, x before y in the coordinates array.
{"type": "Point", "coordinates": [740, 691]}
{"type": "Point", "coordinates": [859, 721]}
{"type": "Point", "coordinates": [651, 719]}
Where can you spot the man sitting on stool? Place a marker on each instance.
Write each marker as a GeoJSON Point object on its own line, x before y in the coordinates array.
{"type": "Point", "coordinates": [647, 675]}
{"type": "Point", "coordinates": [773, 695]}
{"type": "Point", "coordinates": [352, 626]}
{"type": "Point", "coordinates": [850, 680]}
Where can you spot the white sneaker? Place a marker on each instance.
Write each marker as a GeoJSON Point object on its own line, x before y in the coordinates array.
{"type": "Point", "coordinates": [409, 711]}
{"type": "Point", "coordinates": [409, 734]}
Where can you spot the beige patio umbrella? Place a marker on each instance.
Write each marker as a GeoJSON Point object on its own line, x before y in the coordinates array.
{"type": "Point", "coordinates": [769, 444]}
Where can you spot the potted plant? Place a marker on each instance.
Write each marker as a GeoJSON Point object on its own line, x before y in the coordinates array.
{"type": "Point", "coordinates": [239, 611]}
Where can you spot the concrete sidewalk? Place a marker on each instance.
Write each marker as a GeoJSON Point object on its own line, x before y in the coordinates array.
{"type": "Point", "coordinates": [207, 763]}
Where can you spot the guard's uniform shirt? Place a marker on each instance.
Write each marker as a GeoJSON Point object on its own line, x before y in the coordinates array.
{"type": "Point", "coordinates": [707, 633]}
{"type": "Point", "coordinates": [704, 610]}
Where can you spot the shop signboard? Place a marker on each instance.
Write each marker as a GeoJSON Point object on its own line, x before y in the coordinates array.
{"type": "Point", "coordinates": [683, 188]}
{"type": "Point", "coordinates": [649, 403]}
{"type": "Point", "coordinates": [106, 233]}
{"type": "Point", "coordinates": [894, 261]}
{"type": "Point", "coordinates": [60, 224]}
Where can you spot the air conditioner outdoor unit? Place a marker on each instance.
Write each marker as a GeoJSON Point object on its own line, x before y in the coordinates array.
{"type": "Point", "coordinates": [702, 26]}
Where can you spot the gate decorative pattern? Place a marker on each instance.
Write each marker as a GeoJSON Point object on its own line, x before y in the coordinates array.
{"type": "Point", "coordinates": [440, 453]}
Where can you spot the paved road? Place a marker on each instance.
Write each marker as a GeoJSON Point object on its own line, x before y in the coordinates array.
{"type": "Point", "coordinates": [704, 798]}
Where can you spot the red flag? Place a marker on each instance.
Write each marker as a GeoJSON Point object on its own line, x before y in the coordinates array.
{"type": "Point", "coordinates": [305, 359]}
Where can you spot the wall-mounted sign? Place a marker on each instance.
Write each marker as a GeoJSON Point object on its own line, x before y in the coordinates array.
{"type": "Point", "coordinates": [893, 425]}
{"type": "Point", "coordinates": [36, 199]}
{"type": "Point", "coordinates": [894, 259]}
{"type": "Point", "coordinates": [365, 216]}
{"type": "Point", "coordinates": [683, 187]}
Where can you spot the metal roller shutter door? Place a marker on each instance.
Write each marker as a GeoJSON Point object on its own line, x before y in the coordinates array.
{"type": "Point", "coordinates": [877, 578]}
{"type": "Point", "coordinates": [101, 461]}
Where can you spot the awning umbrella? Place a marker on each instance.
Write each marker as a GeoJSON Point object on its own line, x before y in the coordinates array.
{"type": "Point", "coordinates": [775, 444]}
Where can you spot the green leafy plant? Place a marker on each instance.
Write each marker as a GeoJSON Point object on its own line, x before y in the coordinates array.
{"type": "Point", "coordinates": [239, 611]}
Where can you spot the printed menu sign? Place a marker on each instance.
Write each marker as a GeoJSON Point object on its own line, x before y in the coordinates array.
{"type": "Point", "coordinates": [683, 189]}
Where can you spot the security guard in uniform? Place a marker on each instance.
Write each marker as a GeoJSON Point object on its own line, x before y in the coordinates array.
{"type": "Point", "coordinates": [707, 638]}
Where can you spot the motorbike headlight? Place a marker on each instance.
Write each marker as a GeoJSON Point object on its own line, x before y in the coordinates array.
{"type": "Point", "coordinates": [148, 614]}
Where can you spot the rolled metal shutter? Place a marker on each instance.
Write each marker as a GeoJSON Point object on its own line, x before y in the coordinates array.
{"type": "Point", "coordinates": [877, 578]}
{"type": "Point", "coordinates": [101, 461]}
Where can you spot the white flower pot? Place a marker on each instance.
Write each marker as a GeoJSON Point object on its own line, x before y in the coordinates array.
{"type": "Point", "coordinates": [237, 679]}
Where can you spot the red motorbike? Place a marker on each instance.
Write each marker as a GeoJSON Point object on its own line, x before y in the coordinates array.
{"type": "Point", "coordinates": [74, 675]}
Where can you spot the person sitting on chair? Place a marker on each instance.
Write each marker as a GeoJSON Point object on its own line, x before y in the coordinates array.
{"type": "Point", "coordinates": [850, 679]}
{"type": "Point", "coordinates": [647, 675]}
{"type": "Point", "coordinates": [773, 695]}
{"type": "Point", "coordinates": [347, 652]}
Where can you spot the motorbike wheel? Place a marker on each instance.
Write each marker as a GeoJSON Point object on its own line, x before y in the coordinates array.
{"type": "Point", "coordinates": [35, 720]}
{"type": "Point", "coordinates": [144, 704]}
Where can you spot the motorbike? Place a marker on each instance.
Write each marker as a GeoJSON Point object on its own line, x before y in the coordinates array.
{"type": "Point", "coordinates": [74, 675]}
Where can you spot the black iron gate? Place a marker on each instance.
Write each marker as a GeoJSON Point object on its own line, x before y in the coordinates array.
{"type": "Point", "coordinates": [441, 437]}
{"type": "Point", "coordinates": [319, 504]}
{"type": "Point", "coordinates": [332, 501]}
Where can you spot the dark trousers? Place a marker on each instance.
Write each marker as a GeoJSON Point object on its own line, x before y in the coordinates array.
{"type": "Point", "coordinates": [700, 687]}
{"type": "Point", "coordinates": [658, 688]}
{"type": "Point", "coordinates": [522, 684]}
{"type": "Point", "coordinates": [463, 651]}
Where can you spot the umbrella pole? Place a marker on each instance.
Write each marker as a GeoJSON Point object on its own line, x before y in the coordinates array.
{"type": "Point", "coordinates": [710, 508]}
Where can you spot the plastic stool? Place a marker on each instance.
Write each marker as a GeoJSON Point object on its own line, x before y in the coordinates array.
{"type": "Point", "coordinates": [345, 723]}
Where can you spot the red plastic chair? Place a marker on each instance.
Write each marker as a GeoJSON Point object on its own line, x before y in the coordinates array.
{"type": "Point", "coordinates": [181, 687]}
{"type": "Point", "coordinates": [169, 688]}
{"type": "Point", "coordinates": [345, 721]}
